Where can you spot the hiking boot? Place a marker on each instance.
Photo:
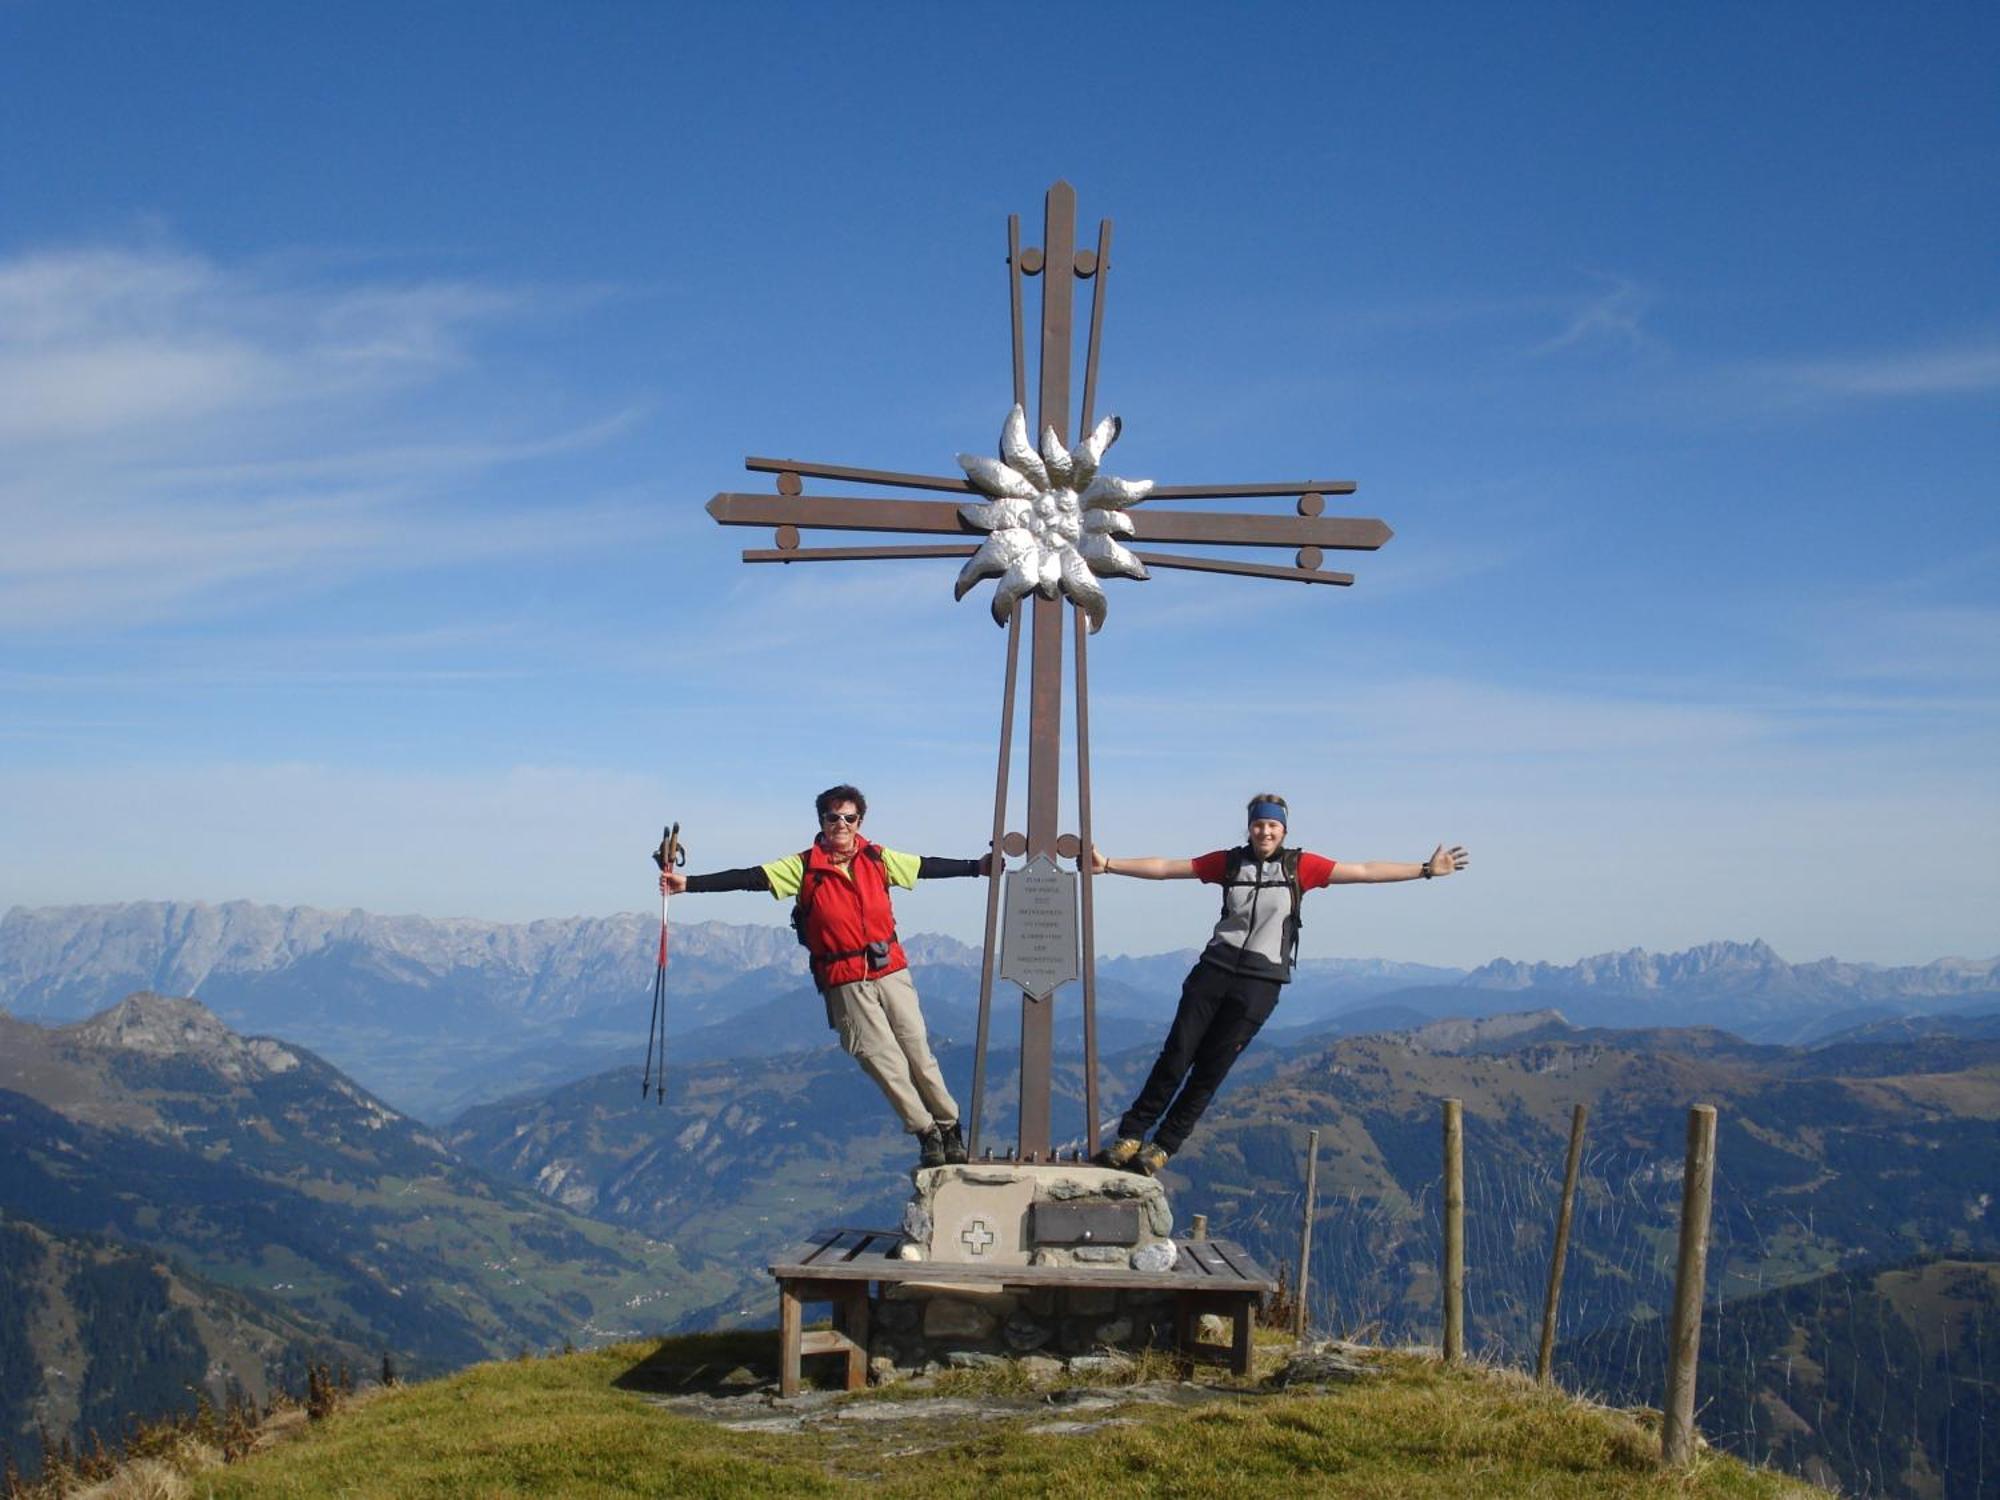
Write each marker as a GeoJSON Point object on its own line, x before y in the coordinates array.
{"type": "Point", "coordinates": [954, 1143]}
{"type": "Point", "coordinates": [930, 1148]}
{"type": "Point", "coordinates": [1119, 1153]}
{"type": "Point", "coordinates": [1152, 1156]}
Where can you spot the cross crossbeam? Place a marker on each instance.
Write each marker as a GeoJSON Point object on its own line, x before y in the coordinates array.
{"type": "Point", "coordinates": [934, 517]}
{"type": "Point", "coordinates": [956, 483]}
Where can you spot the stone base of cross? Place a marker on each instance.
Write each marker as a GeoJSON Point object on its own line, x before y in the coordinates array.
{"type": "Point", "coordinates": [1045, 1214]}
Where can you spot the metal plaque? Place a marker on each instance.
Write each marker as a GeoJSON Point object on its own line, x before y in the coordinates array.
{"type": "Point", "coordinates": [1084, 1224]}
{"type": "Point", "coordinates": [1038, 935]}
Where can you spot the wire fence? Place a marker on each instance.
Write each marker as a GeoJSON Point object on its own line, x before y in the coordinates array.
{"type": "Point", "coordinates": [1866, 1377]}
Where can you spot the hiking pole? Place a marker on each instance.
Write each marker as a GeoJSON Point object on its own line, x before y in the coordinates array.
{"type": "Point", "coordinates": [667, 856]}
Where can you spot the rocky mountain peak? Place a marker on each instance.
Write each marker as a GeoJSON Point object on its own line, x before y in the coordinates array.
{"type": "Point", "coordinates": [1637, 971]}
{"type": "Point", "coordinates": [176, 1026]}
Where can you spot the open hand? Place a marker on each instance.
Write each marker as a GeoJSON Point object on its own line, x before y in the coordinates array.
{"type": "Point", "coordinates": [1445, 861]}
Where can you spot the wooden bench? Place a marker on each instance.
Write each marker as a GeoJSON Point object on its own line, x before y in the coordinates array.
{"type": "Point", "coordinates": [841, 1267]}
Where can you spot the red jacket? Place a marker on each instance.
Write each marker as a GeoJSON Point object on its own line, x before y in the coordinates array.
{"type": "Point", "coordinates": [843, 916]}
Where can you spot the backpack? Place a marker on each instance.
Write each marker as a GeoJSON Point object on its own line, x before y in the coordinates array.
{"type": "Point", "coordinates": [1288, 861]}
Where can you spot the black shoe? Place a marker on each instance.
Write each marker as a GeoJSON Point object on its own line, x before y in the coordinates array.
{"type": "Point", "coordinates": [954, 1143]}
{"type": "Point", "coordinates": [930, 1147]}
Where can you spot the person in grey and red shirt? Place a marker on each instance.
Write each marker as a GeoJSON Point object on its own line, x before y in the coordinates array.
{"type": "Point", "coordinates": [1234, 986]}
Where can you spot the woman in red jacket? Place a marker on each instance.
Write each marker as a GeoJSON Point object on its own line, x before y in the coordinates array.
{"type": "Point", "coordinates": [839, 887]}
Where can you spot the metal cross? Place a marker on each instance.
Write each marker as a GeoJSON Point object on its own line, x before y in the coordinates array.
{"type": "Point", "coordinates": [1060, 264]}
{"type": "Point", "coordinates": [976, 1237]}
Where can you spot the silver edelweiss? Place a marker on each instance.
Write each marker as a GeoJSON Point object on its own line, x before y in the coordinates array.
{"type": "Point", "coordinates": [1053, 521]}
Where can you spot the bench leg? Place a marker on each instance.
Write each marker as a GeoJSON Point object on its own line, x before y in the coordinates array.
{"type": "Point", "coordinates": [851, 1317]}
{"type": "Point", "coordinates": [788, 1339]}
{"type": "Point", "coordinates": [1240, 1341]}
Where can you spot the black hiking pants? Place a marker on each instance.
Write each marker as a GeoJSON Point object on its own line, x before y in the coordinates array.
{"type": "Point", "coordinates": [1219, 1013]}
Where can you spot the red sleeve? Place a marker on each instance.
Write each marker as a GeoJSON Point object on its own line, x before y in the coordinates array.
{"type": "Point", "coordinates": [1315, 870]}
{"type": "Point", "coordinates": [1210, 868]}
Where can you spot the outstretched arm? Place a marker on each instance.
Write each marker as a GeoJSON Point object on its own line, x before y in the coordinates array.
{"type": "Point", "coordinates": [937, 867]}
{"type": "Point", "coordinates": [755, 878]}
{"type": "Point", "coordinates": [1442, 862]}
{"type": "Point", "coordinates": [905, 870]}
{"type": "Point", "coordinates": [1149, 868]}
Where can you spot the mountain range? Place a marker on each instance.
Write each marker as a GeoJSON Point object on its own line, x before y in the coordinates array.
{"type": "Point", "coordinates": [436, 1015]}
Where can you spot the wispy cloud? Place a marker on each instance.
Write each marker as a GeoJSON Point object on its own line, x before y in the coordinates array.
{"type": "Point", "coordinates": [96, 342]}
{"type": "Point", "coordinates": [183, 436]}
{"type": "Point", "coordinates": [1612, 315]}
{"type": "Point", "coordinates": [1919, 647]}
{"type": "Point", "coordinates": [1948, 370]}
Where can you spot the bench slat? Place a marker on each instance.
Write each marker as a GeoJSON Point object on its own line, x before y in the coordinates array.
{"type": "Point", "coordinates": [813, 1246]}
{"type": "Point", "coordinates": [1233, 1257]}
{"type": "Point", "coordinates": [1201, 1255]}
{"type": "Point", "coordinates": [870, 1255]}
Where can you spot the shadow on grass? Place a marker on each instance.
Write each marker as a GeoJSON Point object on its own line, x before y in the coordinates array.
{"type": "Point", "coordinates": [706, 1364]}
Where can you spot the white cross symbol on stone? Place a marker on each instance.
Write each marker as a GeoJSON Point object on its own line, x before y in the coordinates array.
{"type": "Point", "coordinates": [977, 1236]}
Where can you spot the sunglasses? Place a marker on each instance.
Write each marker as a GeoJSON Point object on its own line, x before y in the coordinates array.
{"type": "Point", "coordinates": [831, 819]}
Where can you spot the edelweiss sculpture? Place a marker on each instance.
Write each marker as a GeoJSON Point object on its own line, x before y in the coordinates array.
{"type": "Point", "coordinates": [1054, 521]}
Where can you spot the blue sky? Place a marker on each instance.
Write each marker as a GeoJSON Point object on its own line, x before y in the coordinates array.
{"type": "Point", "coordinates": [364, 369]}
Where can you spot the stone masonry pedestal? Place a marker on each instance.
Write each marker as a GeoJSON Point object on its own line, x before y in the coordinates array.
{"type": "Point", "coordinates": [999, 1214]}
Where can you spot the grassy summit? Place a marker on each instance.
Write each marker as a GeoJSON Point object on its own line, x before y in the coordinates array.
{"type": "Point", "coordinates": [648, 1419]}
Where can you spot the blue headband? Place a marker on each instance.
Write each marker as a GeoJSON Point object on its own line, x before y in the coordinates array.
{"type": "Point", "coordinates": [1275, 811]}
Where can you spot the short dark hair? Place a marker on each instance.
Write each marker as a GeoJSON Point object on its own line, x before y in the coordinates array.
{"type": "Point", "coordinates": [1250, 806]}
{"type": "Point", "coordinates": [833, 796]}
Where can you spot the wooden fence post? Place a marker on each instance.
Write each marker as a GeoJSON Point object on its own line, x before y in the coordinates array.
{"type": "Point", "coordinates": [1545, 1362]}
{"type": "Point", "coordinates": [1697, 1188]}
{"type": "Point", "coordinates": [1454, 1233]}
{"type": "Point", "coordinates": [1306, 1235]}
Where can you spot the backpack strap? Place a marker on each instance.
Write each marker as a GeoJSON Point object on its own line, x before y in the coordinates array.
{"type": "Point", "coordinates": [799, 908]}
{"type": "Point", "coordinates": [1289, 860]}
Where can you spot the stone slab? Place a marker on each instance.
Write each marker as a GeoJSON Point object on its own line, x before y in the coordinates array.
{"type": "Point", "coordinates": [980, 1223]}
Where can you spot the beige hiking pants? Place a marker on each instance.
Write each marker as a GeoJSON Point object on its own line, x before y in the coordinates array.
{"type": "Point", "coordinates": [882, 1028]}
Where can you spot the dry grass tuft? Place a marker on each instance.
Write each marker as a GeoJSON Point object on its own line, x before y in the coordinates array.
{"type": "Point", "coordinates": [150, 1479]}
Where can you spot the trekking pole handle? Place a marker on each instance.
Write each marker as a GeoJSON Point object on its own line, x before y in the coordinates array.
{"type": "Point", "coordinates": [670, 855]}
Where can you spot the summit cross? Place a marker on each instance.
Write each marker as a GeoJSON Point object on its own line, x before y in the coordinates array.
{"type": "Point", "coordinates": [1047, 574]}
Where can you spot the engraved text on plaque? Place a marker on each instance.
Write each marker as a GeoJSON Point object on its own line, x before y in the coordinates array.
{"type": "Point", "coordinates": [1038, 937]}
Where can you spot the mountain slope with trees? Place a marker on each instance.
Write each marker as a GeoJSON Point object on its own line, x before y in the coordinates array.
{"type": "Point", "coordinates": [93, 1332]}
{"type": "Point", "coordinates": [251, 1164]}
